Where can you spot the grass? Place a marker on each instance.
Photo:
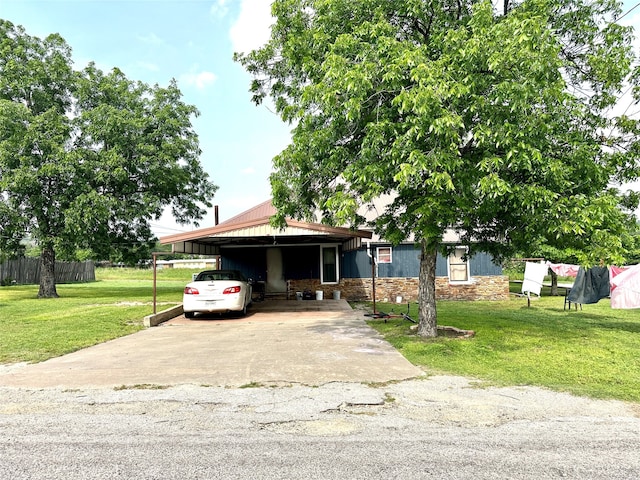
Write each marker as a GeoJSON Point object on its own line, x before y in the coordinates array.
{"type": "Point", "coordinates": [35, 329]}
{"type": "Point", "coordinates": [592, 352]}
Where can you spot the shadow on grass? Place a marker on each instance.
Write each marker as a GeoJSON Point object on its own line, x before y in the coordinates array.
{"type": "Point", "coordinates": [616, 326]}
{"type": "Point", "coordinates": [118, 293]}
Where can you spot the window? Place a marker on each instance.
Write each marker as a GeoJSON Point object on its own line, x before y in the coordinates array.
{"type": "Point", "coordinates": [384, 255]}
{"type": "Point", "coordinates": [458, 266]}
{"type": "Point", "coordinates": [329, 259]}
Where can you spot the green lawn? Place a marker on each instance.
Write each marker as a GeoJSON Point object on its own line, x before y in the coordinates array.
{"type": "Point", "coordinates": [593, 352]}
{"type": "Point", "coordinates": [35, 329]}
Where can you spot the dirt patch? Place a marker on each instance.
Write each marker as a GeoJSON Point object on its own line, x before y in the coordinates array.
{"type": "Point", "coordinates": [454, 332]}
{"type": "Point", "coordinates": [131, 304]}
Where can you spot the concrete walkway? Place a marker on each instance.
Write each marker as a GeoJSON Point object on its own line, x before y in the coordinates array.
{"type": "Point", "coordinates": [309, 342]}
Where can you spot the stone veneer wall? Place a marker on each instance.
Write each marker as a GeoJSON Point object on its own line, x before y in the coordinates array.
{"type": "Point", "coordinates": [491, 287]}
{"type": "Point", "coordinates": [388, 289]}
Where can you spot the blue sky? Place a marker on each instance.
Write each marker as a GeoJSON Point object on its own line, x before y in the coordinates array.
{"type": "Point", "coordinates": [192, 41]}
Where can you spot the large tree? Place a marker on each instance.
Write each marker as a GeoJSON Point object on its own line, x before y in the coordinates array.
{"type": "Point", "coordinates": [494, 120]}
{"type": "Point", "coordinates": [88, 158]}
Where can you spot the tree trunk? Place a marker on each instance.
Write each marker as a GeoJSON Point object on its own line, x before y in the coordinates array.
{"type": "Point", "coordinates": [48, 273]}
{"type": "Point", "coordinates": [554, 284]}
{"type": "Point", "coordinates": [428, 322]}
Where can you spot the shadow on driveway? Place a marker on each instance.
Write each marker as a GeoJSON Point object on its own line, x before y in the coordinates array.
{"type": "Point", "coordinates": [308, 342]}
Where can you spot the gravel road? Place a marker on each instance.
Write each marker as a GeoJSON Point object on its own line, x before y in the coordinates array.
{"type": "Point", "coordinates": [437, 427]}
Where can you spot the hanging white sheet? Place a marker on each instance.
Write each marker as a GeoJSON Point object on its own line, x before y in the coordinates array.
{"type": "Point", "coordinates": [534, 274]}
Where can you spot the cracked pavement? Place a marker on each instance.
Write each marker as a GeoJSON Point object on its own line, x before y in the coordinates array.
{"type": "Point", "coordinates": [435, 427]}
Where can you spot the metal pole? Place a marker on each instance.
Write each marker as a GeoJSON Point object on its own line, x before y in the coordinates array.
{"type": "Point", "coordinates": [155, 276]}
{"type": "Point", "coordinates": [373, 279]}
{"type": "Point", "coordinates": [154, 283]}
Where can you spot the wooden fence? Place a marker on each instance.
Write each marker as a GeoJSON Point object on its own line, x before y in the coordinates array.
{"type": "Point", "coordinates": [26, 271]}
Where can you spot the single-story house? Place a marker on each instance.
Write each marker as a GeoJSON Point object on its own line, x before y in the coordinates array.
{"type": "Point", "coordinates": [315, 257]}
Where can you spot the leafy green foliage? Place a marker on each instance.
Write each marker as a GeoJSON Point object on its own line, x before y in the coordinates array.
{"type": "Point", "coordinates": [494, 122]}
{"type": "Point", "coordinates": [88, 158]}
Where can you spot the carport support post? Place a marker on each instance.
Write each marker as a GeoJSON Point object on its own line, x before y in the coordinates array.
{"type": "Point", "coordinates": [155, 257]}
{"type": "Point", "coordinates": [154, 282]}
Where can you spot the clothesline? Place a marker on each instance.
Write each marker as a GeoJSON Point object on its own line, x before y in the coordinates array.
{"type": "Point", "coordinates": [622, 284]}
{"type": "Point", "coordinates": [564, 269]}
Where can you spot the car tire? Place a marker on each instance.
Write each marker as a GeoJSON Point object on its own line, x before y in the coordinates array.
{"type": "Point", "coordinates": [189, 314]}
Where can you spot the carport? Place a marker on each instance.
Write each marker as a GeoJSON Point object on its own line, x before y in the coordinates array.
{"type": "Point", "coordinates": [308, 253]}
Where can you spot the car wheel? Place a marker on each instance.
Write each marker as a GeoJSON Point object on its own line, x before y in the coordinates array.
{"type": "Point", "coordinates": [189, 314]}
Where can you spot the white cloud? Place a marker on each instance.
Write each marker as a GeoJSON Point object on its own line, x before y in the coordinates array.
{"type": "Point", "coordinates": [220, 8]}
{"type": "Point", "coordinates": [249, 171]}
{"type": "Point", "coordinates": [253, 26]}
{"type": "Point", "coordinates": [199, 80]}
{"type": "Point", "coordinates": [152, 67]}
{"type": "Point", "coordinates": [151, 39]}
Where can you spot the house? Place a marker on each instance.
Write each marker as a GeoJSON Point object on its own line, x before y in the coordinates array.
{"type": "Point", "coordinates": [318, 258]}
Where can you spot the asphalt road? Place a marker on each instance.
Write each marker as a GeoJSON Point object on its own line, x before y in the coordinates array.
{"type": "Point", "coordinates": [327, 398]}
{"type": "Point", "coordinates": [438, 427]}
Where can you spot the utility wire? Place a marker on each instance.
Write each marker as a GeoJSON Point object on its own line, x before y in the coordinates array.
{"type": "Point", "coordinates": [628, 11]}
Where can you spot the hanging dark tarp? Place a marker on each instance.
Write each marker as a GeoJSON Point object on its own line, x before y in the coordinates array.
{"type": "Point", "coordinates": [590, 286]}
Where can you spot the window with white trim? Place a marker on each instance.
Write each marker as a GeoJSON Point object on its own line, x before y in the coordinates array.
{"type": "Point", "coordinates": [384, 255]}
{"type": "Point", "coordinates": [459, 265]}
{"type": "Point", "coordinates": [329, 267]}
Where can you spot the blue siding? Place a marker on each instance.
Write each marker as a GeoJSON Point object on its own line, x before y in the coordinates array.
{"type": "Point", "coordinates": [442, 269]}
{"type": "Point", "coordinates": [482, 264]}
{"type": "Point", "coordinates": [356, 264]}
{"type": "Point", "coordinates": [252, 262]}
{"type": "Point", "coordinates": [303, 262]}
{"type": "Point", "coordinates": [298, 262]}
{"type": "Point", "coordinates": [406, 263]}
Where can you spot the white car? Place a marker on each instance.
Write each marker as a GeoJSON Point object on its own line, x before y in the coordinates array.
{"type": "Point", "coordinates": [217, 291]}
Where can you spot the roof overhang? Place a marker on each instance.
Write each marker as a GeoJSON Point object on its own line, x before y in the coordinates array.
{"type": "Point", "coordinates": [259, 232]}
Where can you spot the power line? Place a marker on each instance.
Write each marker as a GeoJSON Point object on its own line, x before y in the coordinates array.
{"type": "Point", "coordinates": [629, 11]}
{"type": "Point", "coordinates": [162, 227]}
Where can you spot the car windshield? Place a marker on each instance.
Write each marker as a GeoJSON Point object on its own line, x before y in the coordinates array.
{"type": "Point", "coordinates": [220, 275]}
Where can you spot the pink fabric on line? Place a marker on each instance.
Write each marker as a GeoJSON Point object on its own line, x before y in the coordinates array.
{"type": "Point", "coordinates": [625, 287]}
{"type": "Point", "coordinates": [614, 271]}
{"type": "Point", "coordinates": [564, 269]}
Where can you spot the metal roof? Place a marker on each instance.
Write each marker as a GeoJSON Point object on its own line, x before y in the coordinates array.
{"type": "Point", "coordinates": [253, 228]}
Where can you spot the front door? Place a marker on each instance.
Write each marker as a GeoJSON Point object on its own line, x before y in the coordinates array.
{"type": "Point", "coordinates": [275, 271]}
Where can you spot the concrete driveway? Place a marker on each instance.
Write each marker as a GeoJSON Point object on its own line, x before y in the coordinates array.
{"type": "Point", "coordinates": [280, 342]}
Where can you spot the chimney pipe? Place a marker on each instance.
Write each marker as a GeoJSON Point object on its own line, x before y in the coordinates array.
{"type": "Point", "coordinates": [216, 218]}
